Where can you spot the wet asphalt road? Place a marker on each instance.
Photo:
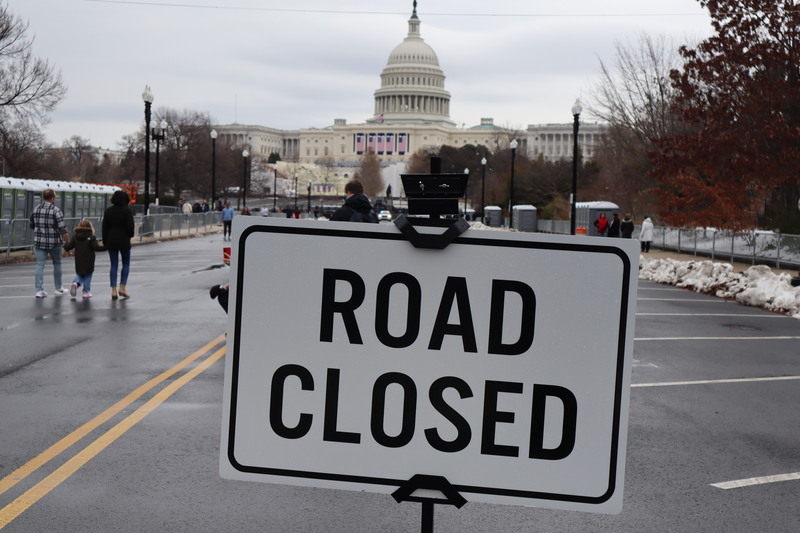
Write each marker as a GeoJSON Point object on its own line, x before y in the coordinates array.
{"type": "Point", "coordinates": [130, 392]}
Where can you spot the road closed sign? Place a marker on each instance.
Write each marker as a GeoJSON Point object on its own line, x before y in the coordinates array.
{"type": "Point", "coordinates": [500, 363]}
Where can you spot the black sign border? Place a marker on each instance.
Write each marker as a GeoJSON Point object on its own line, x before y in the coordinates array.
{"type": "Point", "coordinates": [589, 247]}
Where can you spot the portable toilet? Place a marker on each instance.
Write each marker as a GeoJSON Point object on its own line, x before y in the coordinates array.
{"type": "Point", "coordinates": [524, 218]}
{"type": "Point", "coordinates": [493, 216]}
{"type": "Point", "coordinates": [587, 212]}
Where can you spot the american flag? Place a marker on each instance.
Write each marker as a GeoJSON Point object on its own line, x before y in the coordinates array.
{"type": "Point", "coordinates": [401, 143]}
{"type": "Point", "coordinates": [379, 118]}
{"type": "Point", "coordinates": [380, 143]}
{"type": "Point", "coordinates": [389, 143]}
{"type": "Point", "coordinates": [360, 145]}
{"type": "Point", "coordinates": [371, 142]}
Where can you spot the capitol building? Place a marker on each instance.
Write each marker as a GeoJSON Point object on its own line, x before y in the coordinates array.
{"type": "Point", "coordinates": [411, 111]}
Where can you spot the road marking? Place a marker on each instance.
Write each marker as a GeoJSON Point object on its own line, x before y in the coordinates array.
{"type": "Point", "coordinates": [53, 451]}
{"type": "Point", "coordinates": [693, 300]}
{"type": "Point", "coordinates": [749, 482]}
{"type": "Point", "coordinates": [762, 315]}
{"type": "Point", "coordinates": [776, 338]}
{"type": "Point", "coordinates": [62, 473]}
{"type": "Point", "coordinates": [715, 381]}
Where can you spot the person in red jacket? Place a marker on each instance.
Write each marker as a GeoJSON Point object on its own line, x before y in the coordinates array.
{"type": "Point", "coordinates": [601, 224]}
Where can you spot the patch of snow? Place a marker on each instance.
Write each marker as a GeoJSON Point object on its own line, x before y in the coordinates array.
{"type": "Point", "coordinates": [757, 286]}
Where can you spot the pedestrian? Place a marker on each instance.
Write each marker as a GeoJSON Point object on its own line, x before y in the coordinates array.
{"type": "Point", "coordinates": [196, 207]}
{"type": "Point", "coordinates": [49, 230]}
{"type": "Point", "coordinates": [245, 211]}
{"type": "Point", "coordinates": [227, 220]}
{"type": "Point", "coordinates": [221, 292]}
{"type": "Point", "coordinates": [118, 230]}
{"type": "Point", "coordinates": [85, 244]}
{"type": "Point", "coordinates": [613, 229]}
{"type": "Point", "coordinates": [601, 224]}
{"type": "Point", "coordinates": [626, 227]}
{"type": "Point", "coordinates": [186, 208]}
{"type": "Point", "coordinates": [356, 206]}
{"type": "Point", "coordinates": [646, 234]}
{"type": "Point", "coordinates": [297, 212]}
{"type": "Point", "coordinates": [205, 206]}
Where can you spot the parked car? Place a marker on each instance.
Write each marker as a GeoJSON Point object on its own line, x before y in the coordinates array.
{"type": "Point", "coordinates": [384, 215]}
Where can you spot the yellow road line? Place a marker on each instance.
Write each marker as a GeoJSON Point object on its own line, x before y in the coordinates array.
{"type": "Point", "coordinates": [41, 489]}
{"type": "Point", "coordinates": [31, 466]}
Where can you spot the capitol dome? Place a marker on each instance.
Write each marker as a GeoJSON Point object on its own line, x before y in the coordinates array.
{"type": "Point", "coordinates": [412, 84]}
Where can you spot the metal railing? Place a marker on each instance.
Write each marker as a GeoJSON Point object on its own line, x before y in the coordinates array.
{"type": "Point", "coordinates": [756, 247]}
{"type": "Point", "coordinates": [16, 235]}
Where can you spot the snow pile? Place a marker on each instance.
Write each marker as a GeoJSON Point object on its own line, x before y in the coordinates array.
{"type": "Point", "coordinates": [758, 286]}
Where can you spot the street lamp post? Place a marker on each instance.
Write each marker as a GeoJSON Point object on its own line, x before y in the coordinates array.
{"type": "Point", "coordinates": [213, 169]}
{"type": "Point", "coordinates": [483, 189]}
{"type": "Point", "coordinates": [466, 171]}
{"type": "Point", "coordinates": [275, 188]}
{"type": "Point", "coordinates": [245, 155]}
{"type": "Point", "coordinates": [576, 114]}
{"type": "Point", "coordinates": [147, 96]}
{"type": "Point", "coordinates": [158, 137]}
{"type": "Point", "coordinates": [309, 197]}
{"type": "Point", "coordinates": [513, 146]}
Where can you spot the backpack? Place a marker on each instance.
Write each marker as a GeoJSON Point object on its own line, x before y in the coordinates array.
{"type": "Point", "coordinates": [368, 216]}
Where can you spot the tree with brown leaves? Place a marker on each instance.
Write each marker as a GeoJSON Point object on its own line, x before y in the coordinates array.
{"type": "Point", "coordinates": [738, 92]}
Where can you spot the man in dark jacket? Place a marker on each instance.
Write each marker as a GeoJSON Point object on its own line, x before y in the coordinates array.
{"type": "Point", "coordinates": [356, 206]}
{"type": "Point", "coordinates": [613, 229]}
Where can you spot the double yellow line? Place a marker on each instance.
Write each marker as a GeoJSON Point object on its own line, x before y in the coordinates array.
{"type": "Point", "coordinates": [41, 489]}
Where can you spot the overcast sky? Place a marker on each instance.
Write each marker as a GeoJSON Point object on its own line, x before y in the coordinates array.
{"type": "Point", "coordinates": [294, 64]}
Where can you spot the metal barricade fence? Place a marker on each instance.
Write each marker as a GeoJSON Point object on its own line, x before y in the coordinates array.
{"type": "Point", "coordinates": [16, 235]}
{"type": "Point", "coordinates": [755, 247]}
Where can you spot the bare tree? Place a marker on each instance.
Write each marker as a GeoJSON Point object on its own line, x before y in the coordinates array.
{"type": "Point", "coordinates": [633, 97]}
{"type": "Point", "coordinates": [21, 142]}
{"type": "Point", "coordinates": [29, 86]}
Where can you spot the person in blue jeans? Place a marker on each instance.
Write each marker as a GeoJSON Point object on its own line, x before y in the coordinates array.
{"type": "Point", "coordinates": [118, 230]}
{"type": "Point", "coordinates": [227, 219]}
{"type": "Point", "coordinates": [47, 223]}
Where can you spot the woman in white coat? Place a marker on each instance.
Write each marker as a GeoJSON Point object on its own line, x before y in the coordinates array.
{"type": "Point", "coordinates": [646, 234]}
